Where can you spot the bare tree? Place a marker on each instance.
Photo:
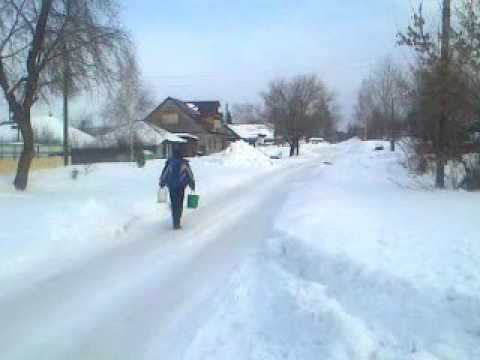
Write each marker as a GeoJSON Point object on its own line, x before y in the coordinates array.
{"type": "Point", "coordinates": [41, 42]}
{"type": "Point", "coordinates": [381, 102]}
{"type": "Point", "coordinates": [130, 103]}
{"type": "Point", "coordinates": [247, 113]}
{"type": "Point", "coordinates": [364, 110]}
{"type": "Point", "coordinates": [291, 105]}
{"type": "Point", "coordinates": [389, 88]}
{"type": "Point", "coordinates": [322, 120]}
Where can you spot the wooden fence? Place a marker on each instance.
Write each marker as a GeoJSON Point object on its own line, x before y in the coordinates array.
{"type": "Point", "coordinates": [46, 156]}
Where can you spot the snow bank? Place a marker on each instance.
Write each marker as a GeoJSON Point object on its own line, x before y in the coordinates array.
{"type": "Point", "coordinates": [389, 250]}
{"type": "Point", "coordinates": [374, 207]}
{"type": "Point", "coordinates": [240, 154]}
{"type": "Point", "coordinates": [59, 220]}
{"type": "Point", "coordinates": [272, 314]}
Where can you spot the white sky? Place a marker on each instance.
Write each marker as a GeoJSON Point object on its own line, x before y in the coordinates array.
{"type": "Point", "coordinates": [230, 50]}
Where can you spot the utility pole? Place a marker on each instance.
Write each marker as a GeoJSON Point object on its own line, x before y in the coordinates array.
{"type": "Point", "coordinates": [365, 130]}
{"type": "Point", "coordinates": [66, 86]}
{"type": "Point", "coordinates": [442, 122]}
{"type": "Point", "coordinates": [392, 125]}
{"type": "Point", "coordinates": [65, 115]}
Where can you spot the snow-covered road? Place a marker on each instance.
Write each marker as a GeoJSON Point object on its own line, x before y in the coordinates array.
{"type": "Point", "coordinates": [143, 300]}
{"type": "Point", "coordinates": [330, 256]}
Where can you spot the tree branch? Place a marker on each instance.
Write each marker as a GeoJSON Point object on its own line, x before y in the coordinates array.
{"type": "Point", "coordinates": [23, 16]}
{"type": "Point", "coordinates": [35, 51]}
{"type": "Point", "coordinates": [12, 29]}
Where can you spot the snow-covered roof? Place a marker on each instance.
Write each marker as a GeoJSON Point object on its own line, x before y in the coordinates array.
{"type": "Point", "coordinates": [47, 129]}
{"type": "Point", "coordinates": [192, 106]}
{"type": "Point", "coordinates": [146, 133]}
{"type": "Point", "coordinates": [251, 131]}
{"type": "Point", "coordinates": [187, 135]}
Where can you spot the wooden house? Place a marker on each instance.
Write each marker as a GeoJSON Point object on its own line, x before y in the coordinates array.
{"type": "Point", "coordinates": [198, 122]}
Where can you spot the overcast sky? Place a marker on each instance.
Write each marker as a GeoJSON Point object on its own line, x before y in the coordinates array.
{"type": "Point", "coordinates": [230, 50]}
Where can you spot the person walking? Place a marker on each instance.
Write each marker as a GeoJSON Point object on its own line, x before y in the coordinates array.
{"type": "Point", "coordinates": [176, 175]}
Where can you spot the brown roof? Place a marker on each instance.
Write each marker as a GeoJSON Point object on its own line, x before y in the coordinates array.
{"type": "Point", "coordinates": [205, 108]}
{"type": "Point", "coordinates": [197, 110]}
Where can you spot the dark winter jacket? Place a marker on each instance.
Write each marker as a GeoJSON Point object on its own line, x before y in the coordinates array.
{"type": "Point", "coordinates": [177, 174]}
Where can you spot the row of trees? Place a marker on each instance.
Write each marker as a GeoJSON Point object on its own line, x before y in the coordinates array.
{"type": "Point", "coordinates": [299, 107]}
{"type": "Point", "coordinates": [437, 100]}
{"type": "Point", "coordinates": [381, 100]}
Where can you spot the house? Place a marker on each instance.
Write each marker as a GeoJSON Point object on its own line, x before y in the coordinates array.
{"type": "Point", "coordinates": [200, 123]}
{"type": "Point", "coordinates": [48, 147]}
{"type": "Point", "coordinates": [114, 145]}
{"type": "Point", "coordinates": [254, 134]}
{"type": "Point", "coordinates": [47, 130]}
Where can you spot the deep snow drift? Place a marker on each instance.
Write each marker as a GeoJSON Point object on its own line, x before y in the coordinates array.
{"type": "Point", "coordinates": [339, 255]}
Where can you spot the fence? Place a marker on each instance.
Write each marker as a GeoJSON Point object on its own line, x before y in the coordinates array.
{"type": "Point", "coordinates": [13, 150]}
{"type": "Point", "coordinates": [46, 156]}
{"type": "Point", "coordinates": [91, 155]}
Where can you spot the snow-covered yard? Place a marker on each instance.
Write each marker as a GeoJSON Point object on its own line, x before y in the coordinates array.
{"type": "Point", "coordinates": [339, 254]}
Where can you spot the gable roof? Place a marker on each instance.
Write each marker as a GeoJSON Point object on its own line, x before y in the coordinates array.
{"type": "Point", "coordinates": [205, 108]}
{"type": "Point", "coordinates": [188, 110]}
{"type": "Point", "coordinates": [192, 113]}
{"type": "Point", "coordinates": [198, 111]}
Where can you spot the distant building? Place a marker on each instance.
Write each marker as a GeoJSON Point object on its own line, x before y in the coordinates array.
{"type": "Point", "coordinates": [114, 145]}
{"type": "Point", "coordinates": [200, 123]}
{"type": "Point", "coordinates": [47, 130]}
{"type": "Point", "coordinates": [254, 134]}
{"type": "Point", "coordinates": [48, 148]}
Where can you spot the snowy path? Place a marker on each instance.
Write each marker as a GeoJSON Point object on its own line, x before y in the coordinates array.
{"type": "Point", "coordinates": [306, 262]}
{"type": "Point", "coordinates": [124, 302]}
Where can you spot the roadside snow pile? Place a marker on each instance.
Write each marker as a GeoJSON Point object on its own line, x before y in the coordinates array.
{"type": "Point", "coordinates": [240, 154]}
{"type": "Point", "coordinates": [393, 255]}
{"type": "Point", "coordinates": [269, 313]}
{"type": "Point", "coordinates": [310, 149]}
